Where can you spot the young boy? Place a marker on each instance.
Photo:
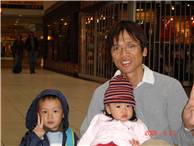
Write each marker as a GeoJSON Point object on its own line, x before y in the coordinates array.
{"type": "Point", "coordinates": [47, 121]}
{"type": "Point", "coordinates": [118, 125]}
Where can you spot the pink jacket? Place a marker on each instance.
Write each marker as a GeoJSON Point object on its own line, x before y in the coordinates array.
{"type": "Point", "coordinates": [103, 130]}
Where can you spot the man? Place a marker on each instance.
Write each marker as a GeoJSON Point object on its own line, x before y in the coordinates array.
{"type": "Point", "coordinates": [160, 99]}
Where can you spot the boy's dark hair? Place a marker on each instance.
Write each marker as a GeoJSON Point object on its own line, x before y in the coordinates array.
{"type": "Point", "coordinates": [133, 118]}
{"type": "Point", "coordinates": [47, 97]}
{"type": "Point", "coordinates": [134, 30]}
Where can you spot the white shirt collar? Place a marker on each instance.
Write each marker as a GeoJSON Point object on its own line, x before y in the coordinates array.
{"type": "Point", "coordinates": [148, 76]}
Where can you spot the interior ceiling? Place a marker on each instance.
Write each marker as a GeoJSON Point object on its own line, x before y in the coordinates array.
{"type": "Point", "coordinates": [10, 24]}
{"type": "Point", "coordinates": [21, 16]}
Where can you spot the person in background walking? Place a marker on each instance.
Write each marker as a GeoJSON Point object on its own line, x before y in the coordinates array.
{"type": "Point", "coordinates": [18, 50]}
{"type": "Point", "coordinates": [31, 45]}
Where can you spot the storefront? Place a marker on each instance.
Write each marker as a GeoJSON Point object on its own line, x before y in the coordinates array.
{"type": "Point", "coordinates": [169, 27]}
{"type": "Point", "coordinates": [61, 32]}
{"type": "Point", "coordinates": [77, 37]}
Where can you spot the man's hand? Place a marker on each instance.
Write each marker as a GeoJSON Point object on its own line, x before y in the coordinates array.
{"type": "Point", "coordinates": [39, 130]}
{"type": "Point", "coordinates": [188, 113]}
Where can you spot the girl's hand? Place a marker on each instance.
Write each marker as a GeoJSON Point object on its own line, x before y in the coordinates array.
{"type": "Point", "coordinates": [39, 129]}
{"type": "Point", "coordinates": [134, 142]}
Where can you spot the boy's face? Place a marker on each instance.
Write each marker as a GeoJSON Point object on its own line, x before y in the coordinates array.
{"type": "Point", "coordinates": [51, 112]}
{"type": "Point", "coordinates": [120, 111]}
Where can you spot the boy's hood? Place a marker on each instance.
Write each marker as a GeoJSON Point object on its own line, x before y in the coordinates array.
{"type": "Point", "coordinates": [31, 117]}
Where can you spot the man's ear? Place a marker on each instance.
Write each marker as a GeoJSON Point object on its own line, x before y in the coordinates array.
{"type": "Point", "coordinates": [145, 51]}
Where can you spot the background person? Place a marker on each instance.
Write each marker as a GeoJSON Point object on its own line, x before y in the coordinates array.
{"type": "Point", "coordinates": [31, 45]}
{"type": "Point", "coordinates": [18, 52]}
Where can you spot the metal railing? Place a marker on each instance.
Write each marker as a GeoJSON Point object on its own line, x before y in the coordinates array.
{"type": "Point", "coordinates": [169, 27]}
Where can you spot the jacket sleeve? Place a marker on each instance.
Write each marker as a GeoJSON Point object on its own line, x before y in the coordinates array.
{"type": "Point", "coordinates": [175, 108]}
{"type": "Point", "coordinates": [185, 137]}
{"type": "Point", "coordinates": [30, 139]}
{"type": "Point", "coordinates": [96, 106]}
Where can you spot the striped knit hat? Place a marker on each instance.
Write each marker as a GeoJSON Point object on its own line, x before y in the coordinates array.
{"type": "Point", "coordinates": [119, 91]}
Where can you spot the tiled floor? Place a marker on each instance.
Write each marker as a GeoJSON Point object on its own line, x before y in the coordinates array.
{"type": "Point", "coordinates": [18, 90]}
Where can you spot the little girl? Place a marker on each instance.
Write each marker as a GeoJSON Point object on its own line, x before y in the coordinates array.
{"type": "Point", "coordinates": [118, 125]}
{"type": "Point", "coordinates": [47, 121]}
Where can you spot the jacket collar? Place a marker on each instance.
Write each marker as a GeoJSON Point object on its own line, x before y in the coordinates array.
{"type": "Point", "coordinates": [148, 76]}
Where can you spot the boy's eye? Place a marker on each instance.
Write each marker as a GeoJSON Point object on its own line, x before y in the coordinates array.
{"type": "Point", "coordinates": [118, 106]}
{"type": "Point", "coordinates": [44, 112]}
{"type": "Point", "coordinates": [55, 111]}
{"type": "Point", "coordinates": [128, 105]}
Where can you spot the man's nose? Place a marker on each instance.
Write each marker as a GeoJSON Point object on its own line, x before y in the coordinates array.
{"type": "Point", "coordinates": [124, 50]}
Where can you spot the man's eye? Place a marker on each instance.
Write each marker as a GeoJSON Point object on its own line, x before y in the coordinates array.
{"type": "Point", "coordinates": [131, 46]}
{"type": "Point", "coordinates": [115, 48]}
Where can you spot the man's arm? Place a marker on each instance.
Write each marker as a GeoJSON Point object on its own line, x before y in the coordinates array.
{"type": "Point", "coordinates": [188, 114]}
{"type": "Point", "coordinates": [186, 134]}
{"type": "Point", "coordinates": [178, 100]}
{"type": "Point", "coordinates": [96, 106]}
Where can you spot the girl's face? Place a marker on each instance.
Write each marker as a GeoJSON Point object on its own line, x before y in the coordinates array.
{"type": "Point", "coordinates": [51, 112]}
{"type": "Point", "coordinates": [120, 111]}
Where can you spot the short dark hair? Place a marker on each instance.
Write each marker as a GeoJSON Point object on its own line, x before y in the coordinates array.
{"type": "Point", "coordinates": [134, 30]}
{"type": "Point", "coordinates": [48, 97]}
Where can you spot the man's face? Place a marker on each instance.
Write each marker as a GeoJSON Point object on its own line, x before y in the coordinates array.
{"type": "Point", "coordinates": [127, 53]}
